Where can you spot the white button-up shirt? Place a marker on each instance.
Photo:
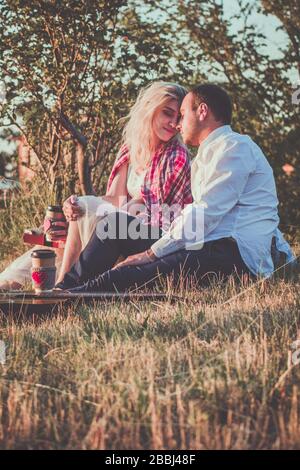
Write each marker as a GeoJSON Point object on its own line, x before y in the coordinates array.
{"type": "Point", "coordinates": [234, 196]}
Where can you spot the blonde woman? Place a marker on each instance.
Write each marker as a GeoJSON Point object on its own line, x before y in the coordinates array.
{"type": "Point", "coordinates": [151, 170]}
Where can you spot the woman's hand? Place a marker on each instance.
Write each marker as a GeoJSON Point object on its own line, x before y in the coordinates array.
{"type": "Point", "coordinates": [58, 231]}
{"type": "Point", "coordinates": [72, 210]}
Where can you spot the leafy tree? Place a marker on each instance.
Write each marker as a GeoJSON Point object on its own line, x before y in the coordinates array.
{"type": "Point", "coordinates": [71, 70]}
{"type": "Point", "coordinates": [211, 46]}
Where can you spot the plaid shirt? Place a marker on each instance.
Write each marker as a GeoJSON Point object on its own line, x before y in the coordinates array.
{"type": "Point", "coordinates": [167, 183]}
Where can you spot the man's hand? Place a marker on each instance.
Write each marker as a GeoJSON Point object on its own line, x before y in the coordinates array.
{"type": "Point", "coordinates": [140, 258]}
{"type": "Point", "coordinates": [72, 210]}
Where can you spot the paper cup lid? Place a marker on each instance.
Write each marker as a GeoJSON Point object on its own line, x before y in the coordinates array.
{"type": "Point", "coordinates": [54, 208]}
{"type": "Point", "coordinates": [43, 254]}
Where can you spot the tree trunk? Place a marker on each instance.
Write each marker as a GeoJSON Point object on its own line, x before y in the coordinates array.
{"type": "Point", "coordinates": [85, 182]}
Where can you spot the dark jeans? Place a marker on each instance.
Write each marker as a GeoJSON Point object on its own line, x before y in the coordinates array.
{"type": "Point", "coordinates": [101, 254]}
{"type": "Point", "coordinates": [92, 272]}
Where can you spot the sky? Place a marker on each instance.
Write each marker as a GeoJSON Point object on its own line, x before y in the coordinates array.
{"type": "Point", "coordinates": [264, 24]}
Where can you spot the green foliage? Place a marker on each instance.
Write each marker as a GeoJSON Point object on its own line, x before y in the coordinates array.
{"type": "Point", "coordinates": [231, 50]}
{"type": "Point", "coordinates": [81, 59]}
{"type": "Point", "coordinates": [87, 60]}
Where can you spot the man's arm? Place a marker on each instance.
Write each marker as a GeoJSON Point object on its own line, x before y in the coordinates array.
{"type": "Point", "coordinates": [222, 182]}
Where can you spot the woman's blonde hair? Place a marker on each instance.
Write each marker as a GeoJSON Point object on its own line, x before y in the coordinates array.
{"type": "Point", "coordinates": [138, 133]}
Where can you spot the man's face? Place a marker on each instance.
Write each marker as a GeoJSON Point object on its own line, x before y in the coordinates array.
{"type": "Point", "coordinates": [190, 125]}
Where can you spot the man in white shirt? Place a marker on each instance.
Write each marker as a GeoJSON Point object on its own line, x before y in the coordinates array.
{"type": "Point", "coordinates": [233, 221]}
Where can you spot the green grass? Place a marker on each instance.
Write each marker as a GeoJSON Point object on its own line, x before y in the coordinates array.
{"type": "Point", "coordinates": [212, 371]}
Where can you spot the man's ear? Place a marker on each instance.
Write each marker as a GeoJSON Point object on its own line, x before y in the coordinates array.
{"type": "Point", "coordinates": [202, 111]}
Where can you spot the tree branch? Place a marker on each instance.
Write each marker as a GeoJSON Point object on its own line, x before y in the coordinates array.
{"type": "Point", "coordinates": [77, 136]}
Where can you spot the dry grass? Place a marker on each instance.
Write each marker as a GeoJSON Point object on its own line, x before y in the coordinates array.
{"type": "Point", "coordinates": [202, 373]}
{"type": "Point", "coordinates": [197, 374]}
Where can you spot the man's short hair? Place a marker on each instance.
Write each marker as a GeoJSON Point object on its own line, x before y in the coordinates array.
{"type": "Point", "coordinates": [216, 98]}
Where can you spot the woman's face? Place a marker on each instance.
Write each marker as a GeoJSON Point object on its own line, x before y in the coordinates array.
{"type": "Point", "coordinates": [165, 121]}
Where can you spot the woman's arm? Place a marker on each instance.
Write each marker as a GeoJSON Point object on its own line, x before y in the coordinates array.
{"type": "Point", "coordinates": [117, 193]}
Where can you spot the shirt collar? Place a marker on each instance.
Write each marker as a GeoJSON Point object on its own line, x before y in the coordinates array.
{"type": "Point", "coordinates": [223, 130]}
